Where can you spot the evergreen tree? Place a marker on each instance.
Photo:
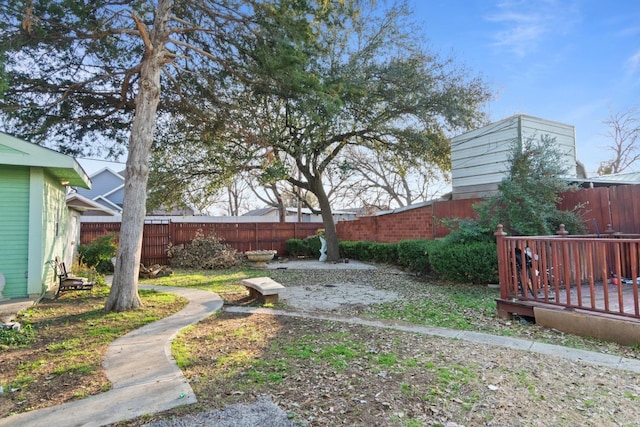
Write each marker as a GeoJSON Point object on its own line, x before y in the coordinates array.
{"type": "Point", "coordinates": [526, 202]}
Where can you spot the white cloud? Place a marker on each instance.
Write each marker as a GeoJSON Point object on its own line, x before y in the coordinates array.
{"type": "Point", "coordinates": [633, 62]}
{"type": "Point", "coordinates": [522, 25]}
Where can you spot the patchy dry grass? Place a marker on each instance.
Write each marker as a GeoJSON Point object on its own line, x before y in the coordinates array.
{"type": "Point", "coordinates": [327, 373]}
{"type": "Point", "coordinates": [62, 358]}
{"type": "Point", "coordinates": [331, 373]}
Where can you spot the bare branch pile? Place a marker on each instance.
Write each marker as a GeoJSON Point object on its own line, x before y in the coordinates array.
{"type": "Point", "coordinates": [207, 253]}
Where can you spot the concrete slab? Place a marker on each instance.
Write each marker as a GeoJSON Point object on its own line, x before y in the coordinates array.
{"type": "Point", "coordinates": [313, 264]}
{"type": "Point", "coordinates": [479, 337]}
{"type": "Point", "coordinates": [9, 308]}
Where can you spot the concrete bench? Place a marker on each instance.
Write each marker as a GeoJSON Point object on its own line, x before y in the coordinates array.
{"type": "Point", "coordinates": [263, 287]}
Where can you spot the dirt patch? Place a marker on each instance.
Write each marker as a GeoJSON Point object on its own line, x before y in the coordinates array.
{"type": "Point", "coordinates": [328, 373]}
{"type": "Point", "coordinates": [333, 296]}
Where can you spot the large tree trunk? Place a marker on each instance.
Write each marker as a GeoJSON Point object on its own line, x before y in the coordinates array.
{"type": "Point", "coordinates": [124, 291]}
{"type": "Point", "coordinates": [331, 235]}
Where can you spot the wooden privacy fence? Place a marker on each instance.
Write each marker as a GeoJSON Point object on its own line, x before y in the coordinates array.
{"type": "Point", "coordinates": [598, 274]}
{"type": "Point", "coordinates": [618, 205]}
{"type": "Point", "coordinates": [241, 236]}
{"type": "Point", "coordinates": [600, 206]}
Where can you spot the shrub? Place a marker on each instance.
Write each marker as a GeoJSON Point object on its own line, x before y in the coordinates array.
{"type": "Point", "coordinates": [313, 246]}
{"type": "Point", "coordinates": [370, 251]}
{"type": "Point", "coordinates": [573, 223]}
{"type": "Point", "coordinates": [308, 247]}
{"type": "Point", "coordinates": [414, 254]}
{"type": "Point", "coordinates": [98, 253]}
{"type": "Point", "coordinates": [467, 231]}
{"type": "Point", "coordinates": [474, 262]}
{"type": "Point", "coordinates": [349, 249]}
{"type": "Point", "coordinates": [207, 253]}
{"type": "Point", "coordinates": [296, 247]}
{"type": "Point", "coordinates": [527, 200]}
{"type": "Point", "coordinates": [384, 252]}
{"type": "Point", "coordinates": [362, 251]}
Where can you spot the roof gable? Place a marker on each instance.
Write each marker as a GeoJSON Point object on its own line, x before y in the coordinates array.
{"type": "Point", "coordinates": [103, 183]}
{"type": "Point", "coordinates": [80, 203]}
{"type": "Point", "coordinates": [66, 169]}
{"type": "Point", "coordinates": [5, 149]}
{"type": "Point", "coordinates": [106, 171]}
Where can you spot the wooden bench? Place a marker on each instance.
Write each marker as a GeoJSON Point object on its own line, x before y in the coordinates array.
{"type": "Point", "coordinates": [67, 282]}
{"type": "Point", "coordinates": [263, 287]}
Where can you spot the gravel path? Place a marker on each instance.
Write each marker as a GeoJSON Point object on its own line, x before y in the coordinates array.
{"type": "Point", "coordinates": [262, 413]}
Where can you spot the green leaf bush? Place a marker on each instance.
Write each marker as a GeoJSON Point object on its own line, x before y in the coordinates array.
{"type": "Point", "coordinates": [309, 247]}
{"type": "Point", "coordinates": [473, 262]}
{"type": "Point", "coordinates": [297, 248]}
{"type": "Point", "coordinates": [384, 252]}
{"type": "Point", "coordinates": [350, 249]}
{"type": "Point", "coordinates": [313, 246]}
{"type": "Point", "coordinates": [463, 259]}
{"type": "Point", "coordinates": [413, 255]}
{"type": "Point", "coordinates": [99, 252]}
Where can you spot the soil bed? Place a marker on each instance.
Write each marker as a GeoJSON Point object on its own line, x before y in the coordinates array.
{"type": "Point", "coordinates": [329, 373]}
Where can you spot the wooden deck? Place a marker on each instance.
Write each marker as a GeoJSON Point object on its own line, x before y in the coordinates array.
{"type": "Point", "coordinates": [610, 299]}
{"type": "Point", "coordinates": [569, 272]}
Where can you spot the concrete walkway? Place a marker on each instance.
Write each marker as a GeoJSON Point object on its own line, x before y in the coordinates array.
{"type": "Point", "coordinates": [145, 378]}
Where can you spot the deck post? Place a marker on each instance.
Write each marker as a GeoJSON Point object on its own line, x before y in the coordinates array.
{"type": "Point", "coordinates": [502, 261]}
{"type": "Point", "coordinates": [561, 230]}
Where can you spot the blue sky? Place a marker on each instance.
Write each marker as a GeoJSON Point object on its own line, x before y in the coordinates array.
{"type": "Point", "coordinates": [573, 62]}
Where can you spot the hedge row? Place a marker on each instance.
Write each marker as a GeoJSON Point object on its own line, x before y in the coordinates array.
{"type": "Point", "coordinates": [475, 262]}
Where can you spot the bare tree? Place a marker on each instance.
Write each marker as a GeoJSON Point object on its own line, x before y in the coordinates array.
{"type": "Point", "coordinates": [393, 181]}
{"type": "Point", "coordinates": [624, 131]}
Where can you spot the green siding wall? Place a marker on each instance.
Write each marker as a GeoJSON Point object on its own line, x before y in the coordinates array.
{"type": "Point", "coordinates": [54, 226]}
{"type": "Point", "coordinates": [14, 229]}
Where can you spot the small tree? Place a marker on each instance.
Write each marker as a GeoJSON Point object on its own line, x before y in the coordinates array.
{"type": "Point", "coordinates": [526, 202]}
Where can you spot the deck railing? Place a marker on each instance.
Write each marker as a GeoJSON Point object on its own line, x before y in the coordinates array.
{"type": "Point", "coordinates": [592, 273]}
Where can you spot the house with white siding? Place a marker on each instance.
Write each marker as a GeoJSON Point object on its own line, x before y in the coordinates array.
{"type": "Point", "coordinates": [306, 215]}
{"type": "Point", "coordinates": [35, 223]}
{"type": "Point", "coordinates": [480, 158]}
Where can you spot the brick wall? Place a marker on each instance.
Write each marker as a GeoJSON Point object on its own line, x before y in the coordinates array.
{"type": "Point", "coordinates": [417, 223]}
{"type": "Point", "coordinates": [617, 205]}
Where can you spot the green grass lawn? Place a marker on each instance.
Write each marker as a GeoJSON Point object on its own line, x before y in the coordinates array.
{"type": "Point", "coordinates": [218, 281]}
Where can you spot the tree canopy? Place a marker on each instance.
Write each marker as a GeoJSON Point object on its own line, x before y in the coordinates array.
{"type": "Point", "coordinates": [276, 86]}
{"type": "Point", "coordinates": [87, 77]}
{"type": "Point", "coordinates": [349, 80]}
